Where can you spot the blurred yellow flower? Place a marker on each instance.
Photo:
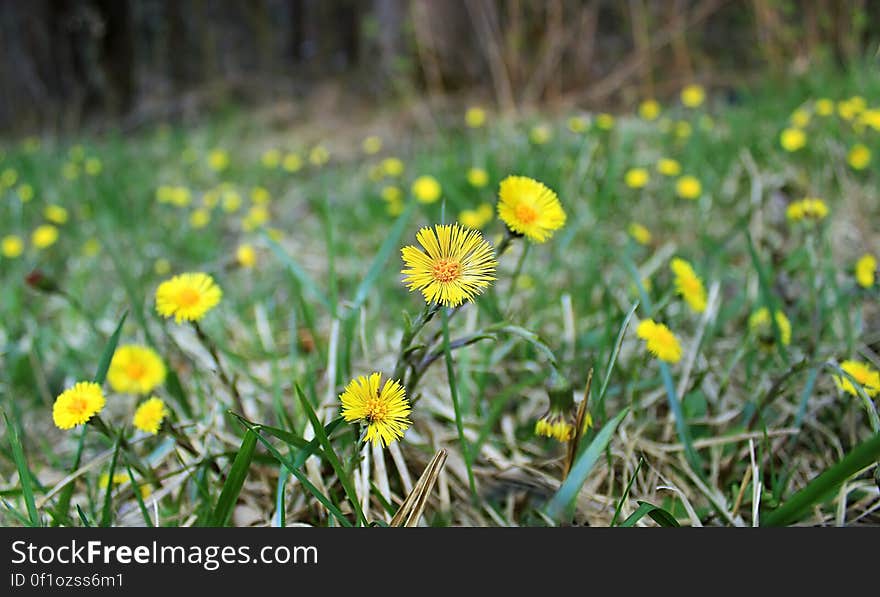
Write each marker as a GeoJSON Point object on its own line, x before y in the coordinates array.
{"type": "Point", "coordinates": [866, 376]}
{"type": "Point", "coordinates": [12, 246]}
{"type": "Point", "coordinates": [470, 219]}
{"type": "Point", "coordinates": [659, 340]}
{"type": "Point", "coordinates": [800, 118]}
{"type": "Point", "coordinates": [187, 297]}
{"type": "Point", "coordinates": [540, 134]}
{"type": "Point", "coordinates": [649, 109]}
{"type": "Point", "coordinates": [271, 158]}
{"type": "Point", "coordinates": [636, 178]}
{"type": "Point", "coordinates": [77, 404]}
{"type": "Point", "coordinates": [8, 177]}
{"type": "Point", "coordinates": [693, 95]}
{"type": "Point", "coordinates": [372, 145]}
{"type": "Point", "coordinates": [93, 166]}
{"type": "Point", "coordinates": [477, 177]}
{"type": "Point", "coordinates": [231, 201]}
{"type": "Point", "coordinates": [260, 196]}
{"type": "Point", "coordinates": [824, 107]}
{"type": "Point", "coordinates": [70, 171]}
{"type": "Point", "coordinates": [792, 139]}
{"type": "Point", "coordinates": [391, 193]}
{"type": "Point", "coordinates": [394, 207]}
{"type": "Point", "coordinates": [866, 267]}
{"type": "Point", "coordinates": [456, 264]}
{"type": "Point", "coordinates": [555, 424]}
{"type": "Point", "coordinates": [761, 326]}
{"type": "Point", "coordinates": [149, 415]}
{"type": "Point", "coordinates": [475, 117]}
{"type": "Point", "coordinates": [91, 247]}
{"type": "Point", "coordinates": [605, 121]}
{"type": "Point", "coordinates": [199, 218]}
{"type": "Point", "coordinates": [44, 236]}
{"type": "Point", "coordinates": [319, 155]}
{"type": "Point", "coordinates": [683, 129]}
{"type": "Point", "coordinates": [688, 187]}
{"type": "Point", "coordinates": [426, 189]}
{"type": "Point", "coordinates": [530, 208]}
{"type": "Point", "coordinates": [256, 216]}
{"type": "Point", "coordinates": [859, 157]}
{"type": "Point", "coordinates": [246, 255]}
{"type": "Point", "coordinates": [578, 124]}
{"type": "Point", "coordinates": [688, 284]}
{"type": "Point", "coordinates": [55, 214]}
{"type": "Point", "coordinates": [871, 118]}
{"type": "Point", "coordinates": [77, 153]}
{"type": "Point", "coordinates": [392, 167]}
{"type": "Point", "coordinates": [218, 160]}
{"type": "Point", "coordinates": [162, 266]}
{"type": "Point", "coordinates": [639, 233]}
{"type": "Point", "coordinates": [809, 208]}
{"type": "Point", "coordinates": [668, 167]}
{"type": "Point", "coordinates": [25, 192]}
{"type": "Point", "coordinates": [385, 410]}
{"type": "Point", "coordinates": [135, 369]}
{"type": "Point", "coordinates": [292, 162]}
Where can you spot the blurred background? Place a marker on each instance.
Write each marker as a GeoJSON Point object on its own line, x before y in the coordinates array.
{"type": "Point", "coordinates": [70, 64]}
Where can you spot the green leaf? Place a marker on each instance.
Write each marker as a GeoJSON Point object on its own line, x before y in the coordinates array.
{"type": "Point", "coordinates": [626, 493]}
{"type": "Point", "coordinates": [330, 455]}
{"type": "Point", "coordinates": [560, 504]}
{"type": "Point", "coordinates": [24, 472]}
{"type": "Point", "coordinates": [658, 514]}
{"type": "Point", "coordinates": [107, 510]}
{"type": "Point", "coordinates": [109, 349]}
{"type": "Point", "coordinates": [681, 426]}
{"type": "Point", "coordinates": [862, 456]}
{"type": "Point", "coordinates": [235, 480]}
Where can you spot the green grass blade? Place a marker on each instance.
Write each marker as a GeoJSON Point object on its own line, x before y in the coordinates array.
{"type": "Point", "coordinates": [560, 504]}
{"type": "Point", "coordinates": [659, 515]}
{"type": "Point", "coordinates": [614, 354]}
{"type": "Point", "coordinates": [767, 295]}
{"type": "Point", "coordinates": [626, 493]}
{"type": "Point", "coordinates": [136, 488]}
{"type": "Point", "coordinates": [280, 519]}
{"type": "Point", "coordinates": [681, 427]}
{"type": "Point", "coordinates": [107, 510]}
{"type": "Point", "coordinates": [109, 349]}
{"type": "Point", "coordinates": [860, 457]}
{"type": "Point", "coordinates": [60, 511]}
{"type": "Point", "coordinates": [235, 480]}
{"type": "Point", "coordinates": [330, 455]}
{"type": "Point", "coordinates": [24, 472]}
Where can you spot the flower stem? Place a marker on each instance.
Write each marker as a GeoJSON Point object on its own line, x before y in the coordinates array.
{"type": "Point", "coordinates": [224, 377]}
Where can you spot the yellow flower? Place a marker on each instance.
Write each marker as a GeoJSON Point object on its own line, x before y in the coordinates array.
{"type": "Point", "coordinates": [636, 178]}
{"type": "Point", "coordinates": [456, 264]}
{"type": "Point", "coordinates": [530, 208]}
{"type": "Point", "coordinates": [149, 415]}
{"type": "Point", "coordinates": [693, 95]}
{"type": "Point", "coordinates": [688, 187]}
{"type": "Point", "coordinates": [639, 233]}
{"type": "Point", "coordinates": [187, 297]}
{"type": "Point", "coordinates": [683, 129]}
{"type": "Point", "coordinates": [605, 121]}
{"type": "Point", "coordinates": [30, 144]}
{"type": "Point", "coordinates": [260, 196]}
{"type": "Point", "coordinates": [871, 118]}
{"type": "Point", "coordinates": [555, 424]}
{"type": "Point", "coordinates": [688, 284]}
{"type": "Point", "coordinates": [866, 266]}
{"type": "Point", "coordinates": [246, 255]}
{"type": "Point", "coordinates": [162, 266]}
{"type": "Point", "coordinates": [256, 216]}
{"type": "Point", "coordinates": [391, 193]}
{"type": "Point", "coordinates": [668, 167]}
{"type": "Point", "coordinates": [231, 201]}
{"type": "Point", "coordinates": [91, 247]}
{"type": "Point", "coordinates": [8, 177]}
{"type": "Point", "coordinates": [319, 155]}
{"type": "Point", "coordinates": [218, 160]}
{"type": "Point", "coordinates": [649, 109]}
{"type": "Point", "coordinates": [760, 325]}
{"type": "Point", "coordinates": [77, 404]}
{"type": "Point", "coordinates": [93, 166]}
{"type": "Point", "coordinates": [475, 117]}
{"type": "Point", "coordinates": [118, 479]}
{"type": "Point", "coordinates": [25, 192]}
{"type": "Point", "coordinates": [859, 157]}
{"type": "Point", "coordinates": [800, 118]}
{"type": "Point", "coordinates": [846, 109]}
{"type": "Point", "coordinates": [540, 134]}
{"type": "Point", "coordinates": [392, 167]}
{"type": "Point", "coordinates": [135, 369]}
{"type": "Point", "coordinates": [824, 107]}
{"type": "Point", "coordinates": [426, 189]}
{"type": "Point", "coordinates": [660, 342]}
{"type": "Point", "coordinates": [70, 171]}
{"type": "Point", "coordinates": [77, 153]}
{"type": "Point", "coordinates": [865, 375]}
{"type": "Point", "coordinates": [385, 411]}
{"type": "Point", "coordinates": [180, 196]}
{"type": "Point", "coordinates": [199, 218]}
{"type": "Point", "coordinates": [792, 139]}
{"type": "Point", "coordinates": [271, 158]}
{"type": "Point", "coordinates": [470, 218]}
{"type": "Point", "coordinates": [44, 236]}
{"type": "Point", "coordinates": [578, 124]}
{"type": "Point", "coordinates": [807, 209]}
{"type": "Point", "coordinates": [394, 207]}
{"type": "Point", "coordinates": [477, 177]}
{"type": "Point", "coordinates": [55, 214]}
{"type": "Point", "coordinates": [486, 212]}
{"type": "Point", "coordinates": [372, 145]}
{"type": "Point", "coordinates": [12, 246]}
{"type": "Point", "coordinates": [292, 162]}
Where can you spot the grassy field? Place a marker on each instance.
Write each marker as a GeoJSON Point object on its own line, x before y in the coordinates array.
{"type": "Point", "coordinates": [299, 229]}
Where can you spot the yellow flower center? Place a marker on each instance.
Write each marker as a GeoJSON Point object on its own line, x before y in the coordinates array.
{"type": "Point", "coordinates": [135, 370]}
{"type": "Point", "coordinates": [377, 409]}
{"type": "Point", "coordinates": [526, 213]}
{"type": "Point", "coordinates": [446, 270]}
{"type": "Point", "coordinates": [77, 406]}
{"type": "Point", "coordinates": [188, 297]}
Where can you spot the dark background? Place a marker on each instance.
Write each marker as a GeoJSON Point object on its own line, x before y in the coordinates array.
{"type": "Point", "coordinates": [73, 63]}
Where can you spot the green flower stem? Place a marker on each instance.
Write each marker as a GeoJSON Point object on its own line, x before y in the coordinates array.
{"type": "Point", "coordinates": [224, 377]}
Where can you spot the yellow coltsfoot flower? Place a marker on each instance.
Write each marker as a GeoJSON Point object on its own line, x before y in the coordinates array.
{"type": "Point", "coordinates": [149, 416]}
{"type": "Point", "coordinates": [135, 370]}
{"type": "Point", "coordinates": [385, 411]}
{"type": "Point", "coordinates": [866, 268]}
{"type": "Point", "coordinates": [187, 297]}
{"type": "Point", "coordinates": [761, 326]}
{"type": "Point", "coordinates": [866, 376]}
{"type": "Point", "coordinates": [529, 208]}
{"type": "Point", "coordinates": [689, 285]}
{"type": "Point", "coordinates": [77, 404]}
{"type": "Point", "coordinates": [659, 340]}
